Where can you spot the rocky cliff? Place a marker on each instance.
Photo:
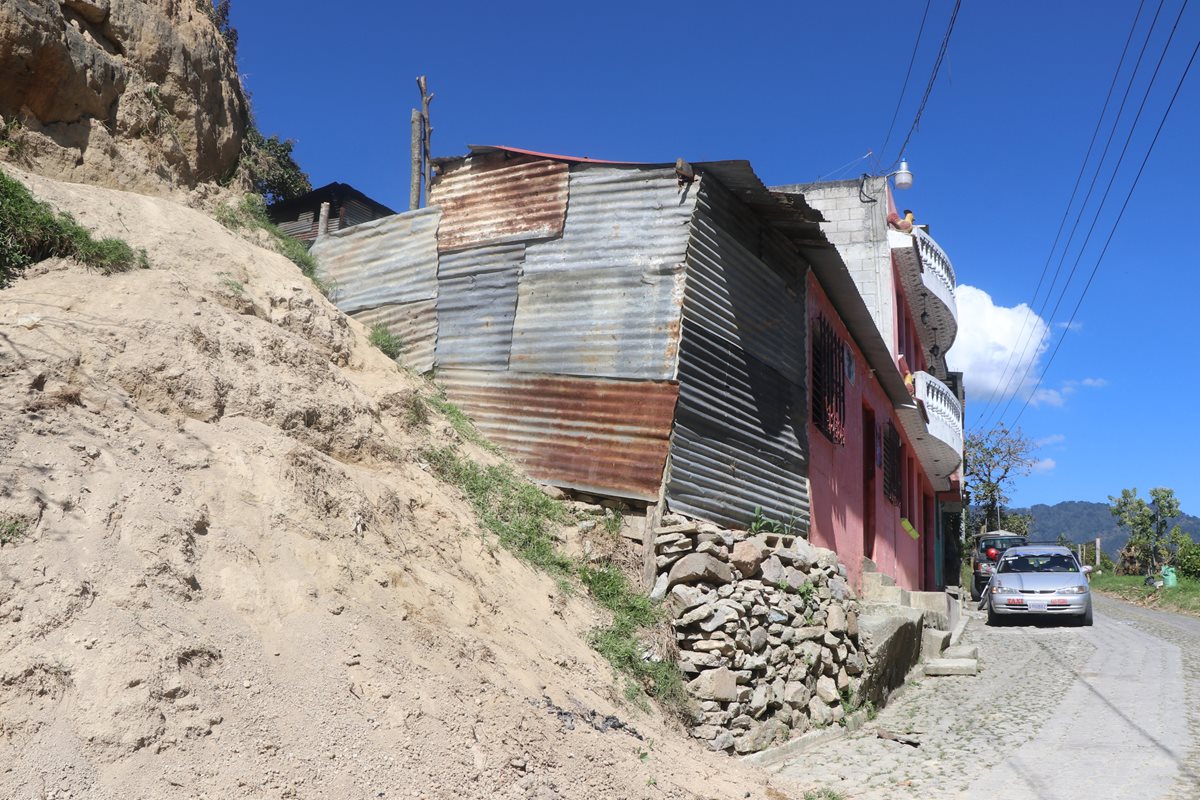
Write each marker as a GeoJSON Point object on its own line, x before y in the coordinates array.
{"type": "Point", "coordinates": [132, 94]}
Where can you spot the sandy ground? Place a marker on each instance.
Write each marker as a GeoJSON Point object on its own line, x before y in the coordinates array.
{"type": "Point", "coordinates": [238, 580]}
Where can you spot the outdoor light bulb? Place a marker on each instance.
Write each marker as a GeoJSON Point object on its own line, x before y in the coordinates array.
{"type": "Point", "coordinates": [903, 176]}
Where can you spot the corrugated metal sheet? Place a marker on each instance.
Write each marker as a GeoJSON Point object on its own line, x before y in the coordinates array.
{"type": "Point", "coordinates": [416, 326]}
{"type": "Point", "coordinates": [740, 439]}
{"type": "Point", "coordinates": [616, 323]}
{"type": "Point", "coordinates": [620, 217]}
{"type": "Point", "coordinates": [475, 320]}
{"type": "Point", "coordinates": [604, 300]}
{"type": "Point", "coordinates": [479, 260]}
{"type": "Point", "coordinates": [500, 198]}
{"type": "Point", "coordinates": [383, 262]}
{"type": "Point", "coordinates": [603, 436]}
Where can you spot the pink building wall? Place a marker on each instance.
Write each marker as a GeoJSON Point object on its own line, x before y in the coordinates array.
{"type": "Point", "coordinates": [841, 494]}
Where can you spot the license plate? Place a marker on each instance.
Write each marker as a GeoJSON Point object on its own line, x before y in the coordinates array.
{"type": "Point", "coordinates": [1036, 606]}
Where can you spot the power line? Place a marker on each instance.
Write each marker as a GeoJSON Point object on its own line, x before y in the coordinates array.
{"type": "Point", "coordinates": [1112, 231]}
{"type": "Point", "coordinates": [1026, 330]}
{"type": "Point", "coordinates": [1091, 188]}
{"type": "Point", "coordinates": [1104, 197]}
{"type": "Point", "coordinates": [904, 88]}
{"type": "Point", "coordinates": [937, 65]}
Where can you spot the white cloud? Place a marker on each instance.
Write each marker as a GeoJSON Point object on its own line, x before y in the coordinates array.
{"type": "Point", "coordinates": [1044, 465]}
{"type": "Point", "coordinates": [1069, 326]}
{"type": "Point", "coordinates": [1094, 383]}
{"type": "Point", "coordinates": [996, 345]}
{"type": "Point", "coordinates": [1054, 438]}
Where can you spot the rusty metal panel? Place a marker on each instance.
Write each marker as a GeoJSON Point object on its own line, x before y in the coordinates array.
{"type": "Point", "coordinates": [489, 199]}
{"type": "Point", "coordinates": [602, 436]}
{"type": "Point", "coordinates": [416, 326]}
{"type": "Point", "coordinates": [475, 320]}
{"type": "Point", "coordinates": [478, 260]}
{"type": "Point", "coordinates": [383, 262]}
{"type": "Point", "coordinates": [740, 439]}
{"type": "Point", "coordinates": [605, 298]}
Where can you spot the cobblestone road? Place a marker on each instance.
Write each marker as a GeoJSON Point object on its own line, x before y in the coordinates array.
{"type": "Point", "coordinates": [1056, 713]}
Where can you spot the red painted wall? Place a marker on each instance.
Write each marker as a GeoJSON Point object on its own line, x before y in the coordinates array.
{"type": "Point", "coordinates": [841, 495]}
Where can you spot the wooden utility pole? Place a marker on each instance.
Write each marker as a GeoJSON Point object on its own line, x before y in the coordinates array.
{"type": "Point", "coordinates": [426, 136]}
{"type": "Point", "coordinates": [414, 183]}
{"type": "Point", "coordinates": [1097, 551]}
{"type": "Point", "coordinates": [421, 161]}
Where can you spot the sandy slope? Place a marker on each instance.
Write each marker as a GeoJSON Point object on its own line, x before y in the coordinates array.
{"type": "Point", "coordinates": [240, 581]}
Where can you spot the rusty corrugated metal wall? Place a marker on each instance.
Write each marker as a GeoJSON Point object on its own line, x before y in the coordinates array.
{"type": "Point", "coordinates": [560, 291]}
{"type": "Point", "coordinates": [740, 437]}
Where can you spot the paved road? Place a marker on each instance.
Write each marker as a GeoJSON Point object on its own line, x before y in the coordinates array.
{"type": "Point", "coordinates": [1103, 713]}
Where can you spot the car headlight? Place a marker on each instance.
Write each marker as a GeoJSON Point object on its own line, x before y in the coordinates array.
{"type": "Point", "coordinates": [1073, 590]}
{"type": "Point", "coordinates": [1004, 590]}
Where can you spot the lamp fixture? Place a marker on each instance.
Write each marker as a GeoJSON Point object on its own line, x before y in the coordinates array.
{"type": "Point", "coordinates": [903, 176]}
{"type": "Point", "coordinates": [925, 318]}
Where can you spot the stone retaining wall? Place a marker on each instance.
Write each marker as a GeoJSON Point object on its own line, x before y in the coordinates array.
{"type": "Point", "coordinates": [767, 629]}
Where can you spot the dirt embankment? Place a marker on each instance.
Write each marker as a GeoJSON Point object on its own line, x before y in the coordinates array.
{"type": "Point", "coordinates": [235, 578]}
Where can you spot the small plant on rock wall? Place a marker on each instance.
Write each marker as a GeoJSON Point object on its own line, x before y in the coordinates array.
{"type": "Point", "coordinates": [763, 524]}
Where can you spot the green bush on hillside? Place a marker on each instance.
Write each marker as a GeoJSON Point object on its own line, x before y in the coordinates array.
{"type": "Point", "coordinates": [31, 231]}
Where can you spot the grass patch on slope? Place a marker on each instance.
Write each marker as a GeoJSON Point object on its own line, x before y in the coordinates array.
{"type": "Point", "coordinates": [460, 422]}
{"type": "Point", "coordinates": [523, 518]}
{"type": "Point", "coordinates": [1184, 598]}
{"type": "Point", "coordinates": [388, 343]}
{"type": "Point", "coordinates": [31, 230]}
{"type": "Point", "coordinates": [250, 213]}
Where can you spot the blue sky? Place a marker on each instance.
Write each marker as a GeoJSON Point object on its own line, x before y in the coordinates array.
{"type": "Point", "coordinates": [801, 89]}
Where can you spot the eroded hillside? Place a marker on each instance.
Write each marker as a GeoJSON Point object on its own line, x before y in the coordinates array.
{"type": "Point", "coordinates": [230, 573]}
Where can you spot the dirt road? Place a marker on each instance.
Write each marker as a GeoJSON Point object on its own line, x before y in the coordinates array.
{"type": "Point", "coordinates": [1056, 713]}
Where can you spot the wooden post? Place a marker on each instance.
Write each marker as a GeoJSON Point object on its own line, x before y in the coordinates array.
{"type": "Point", "coordinates": [414, 184]}
{"type": "Point", "coordinates": [426, 136]}
{"type": "Point", "coordinates": [323, 220]}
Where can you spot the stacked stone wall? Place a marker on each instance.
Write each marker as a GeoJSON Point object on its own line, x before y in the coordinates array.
{"type": "Point", "coordinates": [767, 630]}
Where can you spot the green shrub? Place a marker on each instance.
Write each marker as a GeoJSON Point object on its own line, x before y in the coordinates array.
{"type": "Point", "coordinates": [31, 230]}
{"type": "Point", "coordinates": [12, 529]}
{"type": "Point", "coordinates": [523, 518]}
{"type": "Point", "coordinates": [1187, 560]}
{"type": "Point", "coordinates": [387, 342]}
{"type": "Point", "coordinates": [250, 213]}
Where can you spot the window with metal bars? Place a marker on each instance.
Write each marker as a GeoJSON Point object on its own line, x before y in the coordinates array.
{"type": "Point", "coordinates": [891, 464]}
{"type": "Point", "coordinates": [828, 381]}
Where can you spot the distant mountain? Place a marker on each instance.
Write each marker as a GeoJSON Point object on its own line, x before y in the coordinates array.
{"type": "Point", "coordinates": [1082, 521]}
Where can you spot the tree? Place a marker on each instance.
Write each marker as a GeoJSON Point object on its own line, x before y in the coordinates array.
{"type": "Point", "coordinates": [1151, 542]}
{"type": "Point", "coordinates": [992, 461]}
{"type": "Point", "coordinates": [272, 171]}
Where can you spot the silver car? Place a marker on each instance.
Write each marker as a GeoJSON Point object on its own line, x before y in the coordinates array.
{"type": "Point", "coordinates": [1040, 581]}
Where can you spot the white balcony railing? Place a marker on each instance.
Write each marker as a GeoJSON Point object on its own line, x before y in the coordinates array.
{"type": "Point", "coordinates": [945, 418]}
{"type": "Point", "coordinates": [935, 260]}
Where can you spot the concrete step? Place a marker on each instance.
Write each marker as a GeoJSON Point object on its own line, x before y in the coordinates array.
{"type": "Point", "coordinates": [951, 666]}
{"type": "Point", "coordinates": [933, 642]}
{"type": "Point", "coordinates": [961, 651]}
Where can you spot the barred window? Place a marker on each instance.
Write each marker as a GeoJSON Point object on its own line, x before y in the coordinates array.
{"type": "Point", "coordinates": [828, 381]}
{"type": "Point", "coordinates": [891, 464]}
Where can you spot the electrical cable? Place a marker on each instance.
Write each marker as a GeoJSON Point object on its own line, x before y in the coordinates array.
{"type": "Point", "coordinates": [1112, 231]}
{"type": "Point", "coordinates": [904, 88]}
{"type": "Point", "coordinates": [937, 65]}
{"type": "Point", "coordinates": [1103, 199]}
{"type": "Point", "coordinates": [1041, 310]}
{"type": "Point", "coordinates": [1026, 329]}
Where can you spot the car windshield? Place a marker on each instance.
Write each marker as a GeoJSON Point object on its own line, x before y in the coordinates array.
{"type": "Point", "coordinates": [1038, 562]}
{"type": "Point", "coordinates": [1000, 543]}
